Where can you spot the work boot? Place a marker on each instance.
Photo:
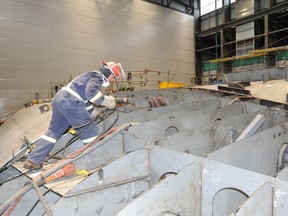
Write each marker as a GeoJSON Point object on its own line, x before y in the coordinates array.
{"type": "Point", "coordinates": [31, 165]}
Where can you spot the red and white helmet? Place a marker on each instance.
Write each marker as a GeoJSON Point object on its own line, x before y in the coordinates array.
{"type": "Point", "coordinates": [115, 68]}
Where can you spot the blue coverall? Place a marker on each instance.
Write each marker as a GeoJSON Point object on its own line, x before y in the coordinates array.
{"type": "Point", "coordinates": [72, 106]}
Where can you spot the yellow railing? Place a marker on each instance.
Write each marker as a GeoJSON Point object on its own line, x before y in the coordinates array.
{"type": "Point", "coordinates": [251, 54]}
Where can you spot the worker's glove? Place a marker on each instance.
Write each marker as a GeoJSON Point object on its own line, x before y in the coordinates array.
{"type": "Point", "coordinates": [94, 113]}
{"type": "Point", "coordinates": [109, 102]}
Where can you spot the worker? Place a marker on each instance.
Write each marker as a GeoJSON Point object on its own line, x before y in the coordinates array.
{"type": "Point", "coordinates": [73, 106]}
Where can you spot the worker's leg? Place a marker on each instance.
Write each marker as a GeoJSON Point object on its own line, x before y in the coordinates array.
{"type": "Point", "coordinates": [89, 132]}
{"type": "Point", "coordinates": [67, 110]}
{"type": "Point", "coordinates": [58, 125]}
{"type": "Point", "coordinates": [80, 119]}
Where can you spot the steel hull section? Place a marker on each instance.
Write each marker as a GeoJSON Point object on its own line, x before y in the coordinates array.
{"type": "Point", "coordinates": [182, 159]}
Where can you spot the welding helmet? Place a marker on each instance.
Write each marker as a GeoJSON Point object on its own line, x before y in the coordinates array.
{"type": "Point", "coordinates": [115, 69]}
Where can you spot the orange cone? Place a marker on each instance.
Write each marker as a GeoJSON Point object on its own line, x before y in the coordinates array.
{"type": "Point", "coordinates": [68, 170]}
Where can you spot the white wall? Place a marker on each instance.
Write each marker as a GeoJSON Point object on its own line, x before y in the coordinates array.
{"type": "Point", "coordinates": [44, 40]}
{"type": "Point", "coordinates": [69, 37]}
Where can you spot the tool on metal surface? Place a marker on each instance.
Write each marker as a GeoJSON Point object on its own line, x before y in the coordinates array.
{"type": "Point", "coordinates": [82, 172]}
{"type": "Point", "coordinates": [36, 101]}
{"type": "Point", "coordinates": [67, 170]}
{"type": "Point", "coordinates": [124, 105]}
{"type": "Point", "coordinates": [158, 101]}
{"type": "Point", "coordinates": [26, 148]}
{"type": "Point", "coordinates": [45, 108]}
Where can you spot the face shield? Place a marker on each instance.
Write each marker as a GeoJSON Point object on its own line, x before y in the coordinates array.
{"type": "Point", "coordinates": [115, 68]}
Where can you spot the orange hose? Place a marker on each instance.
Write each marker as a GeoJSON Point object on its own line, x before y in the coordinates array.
{"type": "Point", "coordinates": [67, 170]}
{"type": "Point", "coordinates": [12, 207]}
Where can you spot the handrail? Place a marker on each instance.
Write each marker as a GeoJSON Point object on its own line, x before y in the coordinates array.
{"type": "Point", "coordinates": [140, 79]}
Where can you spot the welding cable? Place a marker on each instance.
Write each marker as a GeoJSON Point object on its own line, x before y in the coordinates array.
{"type": "Point", "coordinates": [101, 136]}
{"type": "Point", "coordinates": [89, 172]}
{"type": "Point", "coordinates": [31, 210]}
{"type": "Point", "coordinates": [14, 177]}
{"type": "Point", "coordinates": [99, 118]}
{"type": "Point", "coordinates": [97, 169]}
{"type": "Point", "coordinates": [96, 119]}
{"type": "Point", "coordinates": [240, 101]}
{"type": "Point", "coordinates": [41, 197]}
{"type": "Point", "coordinates": [238, 84]}
{"type": "Point", "coordinates": [45, 205]}
{"type": "Point", "coordinates": [108, 113]}
{"type": "Point", "coordinates": [124, 109]}
{"type": "Point", "coordinates": [72, 140]}
{"type": "Point", "coordinates": [14, 205]}
{"type": "Point", "coordinates": [81, 150]}
{"type": "Point", "coordinates": [76, 137]}
{"type": "Point", "coordinates": [240, 97]}
{"type": "Point", "coordinates": [225, 77]}
{"type": "Point", "coordinates": [61, 164]}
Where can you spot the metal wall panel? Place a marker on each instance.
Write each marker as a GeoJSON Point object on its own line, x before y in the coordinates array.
{"type": "Point", "coordinates": [210, 22]}
{"type": "Point", "coordinates": [245, 31]}
{"type": "Point", "coordinates": [42, 41]}
{"type": "Point", "coordinates": [244, 8]}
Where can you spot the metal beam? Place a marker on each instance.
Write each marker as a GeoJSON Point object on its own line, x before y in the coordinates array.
{"type": "Point", "coordinates": [252, 127]}
{"type": "Point", "coordinates": [277, 8]}
{"type": "Point", "coordinates": [178, 5]}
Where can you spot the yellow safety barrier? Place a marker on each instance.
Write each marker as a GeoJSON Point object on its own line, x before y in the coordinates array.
{"type": "Point", "coordinates": [164, 85]}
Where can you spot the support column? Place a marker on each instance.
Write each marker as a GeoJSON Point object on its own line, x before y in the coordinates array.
{"type": "Point", "coordinates": [226, 66]}
{"type": "Point", "coordinates": [270, 57]}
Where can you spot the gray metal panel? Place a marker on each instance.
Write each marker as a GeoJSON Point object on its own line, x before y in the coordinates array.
{"type": "Point", "coordinates": [30, 201]}
{"type": "Point", "coordinates": [191, 136]}
{"type": "Point", "coordinates": [256, 205]}
{"type": "Point", "coordinates": [209, 186]}
{"type": "Point", "coordinates": [103, 154]}
{"type": "Point", "coordinates": [102, 203]}
{"type": "Point", "coordinates": [258, 153]}
{"type": "Point", "coordinates": [280, 196]}
{"type": "Point", "coordinates": [283, 174]}
{"type": "Point", "coordinates": [117, 172]}
{"type": "Point", "coordinates": [50, 197]}
{"type": "Point", "coordinates": [218, 177]}
{"type": "Point", "coordinates": [164, 197]}
{"type": "Point", "coordinates": [226, 131]}
{"type": "Point", "coordinates": [256, 75]}
{"type": "Point", "coordinates": [151, 114]}
{"type": "Point", "coordinates": [157, 129]}
{"type": "Point", "coordinates": [253, 127]}
{"type": "Point", "coordinates": [164, 160]}
{"type": "Point", "coordinates": [11, 187]}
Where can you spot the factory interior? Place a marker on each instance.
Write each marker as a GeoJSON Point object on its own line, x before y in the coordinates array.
{"type": "Point", "coordinates": [198, 123]}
